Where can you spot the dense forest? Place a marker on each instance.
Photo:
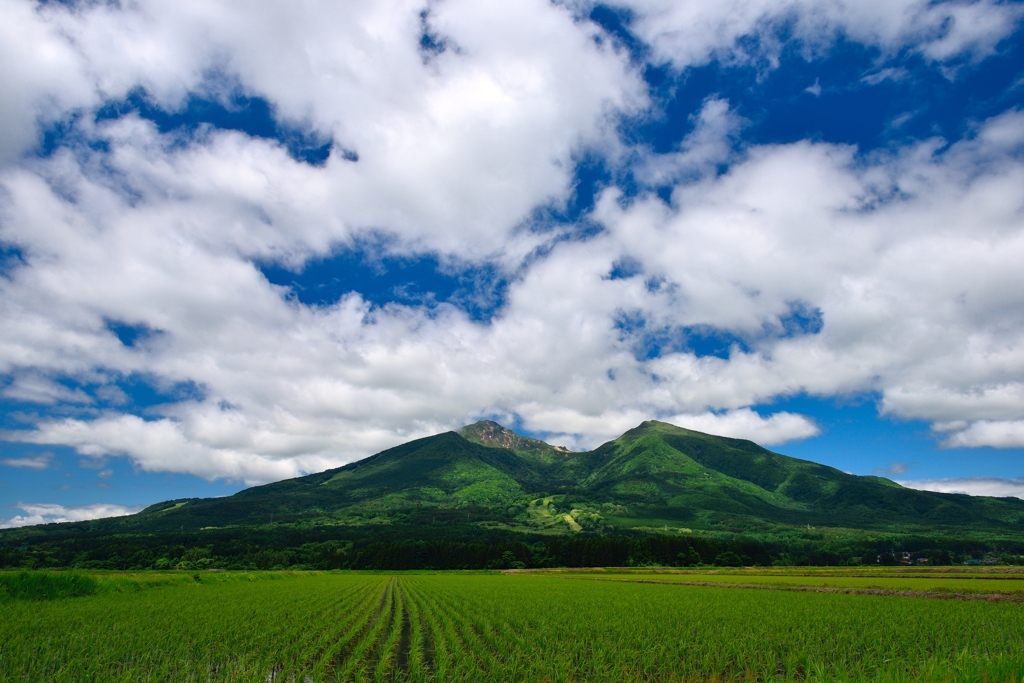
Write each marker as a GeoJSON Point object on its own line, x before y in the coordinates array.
{"type": "Point", "coordinates": [319, 548]}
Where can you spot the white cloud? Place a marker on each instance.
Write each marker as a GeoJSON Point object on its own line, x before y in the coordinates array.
{"type": "Point", "coordinates": [972, 486]}
{"type": "Point", "coordinates": [161, 445]}
{"type": "Point", "coordinates": [313, 387]}
{"type": "Point", "coordinates": [41, 76]}
{"type": "Point", "coordinates": [38, 389]}
{"type": "Point", "coordinates": [35, 462]}
{"type": "Point", "coordinates": [911, 258]}
{"type": "Point", "coordinates": [688, 33]}
{"type": "Point", "coordinates": [995, 433]}
{"type": "Point", "coordinates": [291, 389]}
{"type": "Point", "coordinates": [451, 153]}
{"type": "Point", "coordinates": [710, 143]}
{"type": "Point", "coordinates": [911, 255]}
{"type": "Point", "coordinates": [48, 513]}
{"type": "Point", "coordinates": [775, 429]}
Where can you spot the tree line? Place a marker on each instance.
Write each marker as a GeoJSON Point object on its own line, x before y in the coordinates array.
{"type": "Point", "coordinates": [290, 548]}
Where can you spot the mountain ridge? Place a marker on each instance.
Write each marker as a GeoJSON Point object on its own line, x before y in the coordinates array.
{"type": "Point", "coordinates": [654, 476]}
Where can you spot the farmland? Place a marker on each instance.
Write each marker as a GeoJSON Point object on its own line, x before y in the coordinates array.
{"type": "Point", "coordinates": [992, 583]}
{"type": "Point", "coordinates": [556, 626]}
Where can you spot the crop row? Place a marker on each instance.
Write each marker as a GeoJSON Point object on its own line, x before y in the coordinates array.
{"type": "Point", "coordinates": [466, 627]}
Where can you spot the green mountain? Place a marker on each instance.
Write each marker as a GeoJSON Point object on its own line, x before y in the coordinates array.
{"type": "Point", "coordinates": [656, 477]}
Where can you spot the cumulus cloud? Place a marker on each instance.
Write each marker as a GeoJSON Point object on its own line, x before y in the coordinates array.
{"type": "Point", "coordinates": [972, 486]}
{"type": "Point", "coordinates": [162, 445]}
{"type": "Point", "coordinates": [778, 428]}
{"type": "Point", "coordinates": [910, 258]}
{"type": "Point", "coordinates": [815, 267]}
{"type": "Point", "coordinates": [696, 32]}
{"type": "Point", "coordinates": [41, 76]}
{"type": "Point", "coordinates": [290, 388]}
{"type": "Point", "coordinates": [49, 513]}
{"type": "Point", "coordinates": [450, 153]}
{"type": "Point", "coordinates": [995, 433]}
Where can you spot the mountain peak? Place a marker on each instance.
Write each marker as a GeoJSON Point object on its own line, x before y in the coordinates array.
{"type": "Point", "coordinates": [490, 433]}
{"type": "Point", "coordinates": [486, 479]}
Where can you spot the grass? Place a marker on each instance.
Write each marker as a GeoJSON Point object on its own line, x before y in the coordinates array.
{"type": "Point", "coordinates": [529, 626]}
{"type": "Point", "coordinates": [45, 585]}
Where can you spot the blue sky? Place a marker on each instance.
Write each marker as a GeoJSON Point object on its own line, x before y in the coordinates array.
{"type": "Point", "coordinates": [236, 248]}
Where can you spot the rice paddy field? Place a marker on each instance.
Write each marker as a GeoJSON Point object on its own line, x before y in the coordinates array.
{"type": "Point", "coordinates": [597, 625]}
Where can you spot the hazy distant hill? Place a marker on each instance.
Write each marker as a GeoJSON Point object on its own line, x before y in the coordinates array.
{"type": "Point", "coordinates": [655, 477]}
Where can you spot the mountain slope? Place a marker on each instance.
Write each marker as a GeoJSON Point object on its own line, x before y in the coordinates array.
{"type": "Point", "coordinates": [676, 471]}
{"type": "Point", "coordinates": [443, 470]}
{"type": "Point", "coordinates": [654, 477]}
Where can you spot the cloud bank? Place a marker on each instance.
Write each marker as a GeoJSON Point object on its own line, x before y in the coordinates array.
{"type": "Point", "coordinates": [45, 513]}
{"type": "Point", "coordinates": [972, 486]}
{"type": "Point", "coordinates": [735, 272]}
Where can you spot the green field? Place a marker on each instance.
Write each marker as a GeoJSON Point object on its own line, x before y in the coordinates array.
{"type": "Point", "coordinates": [514, 626]}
